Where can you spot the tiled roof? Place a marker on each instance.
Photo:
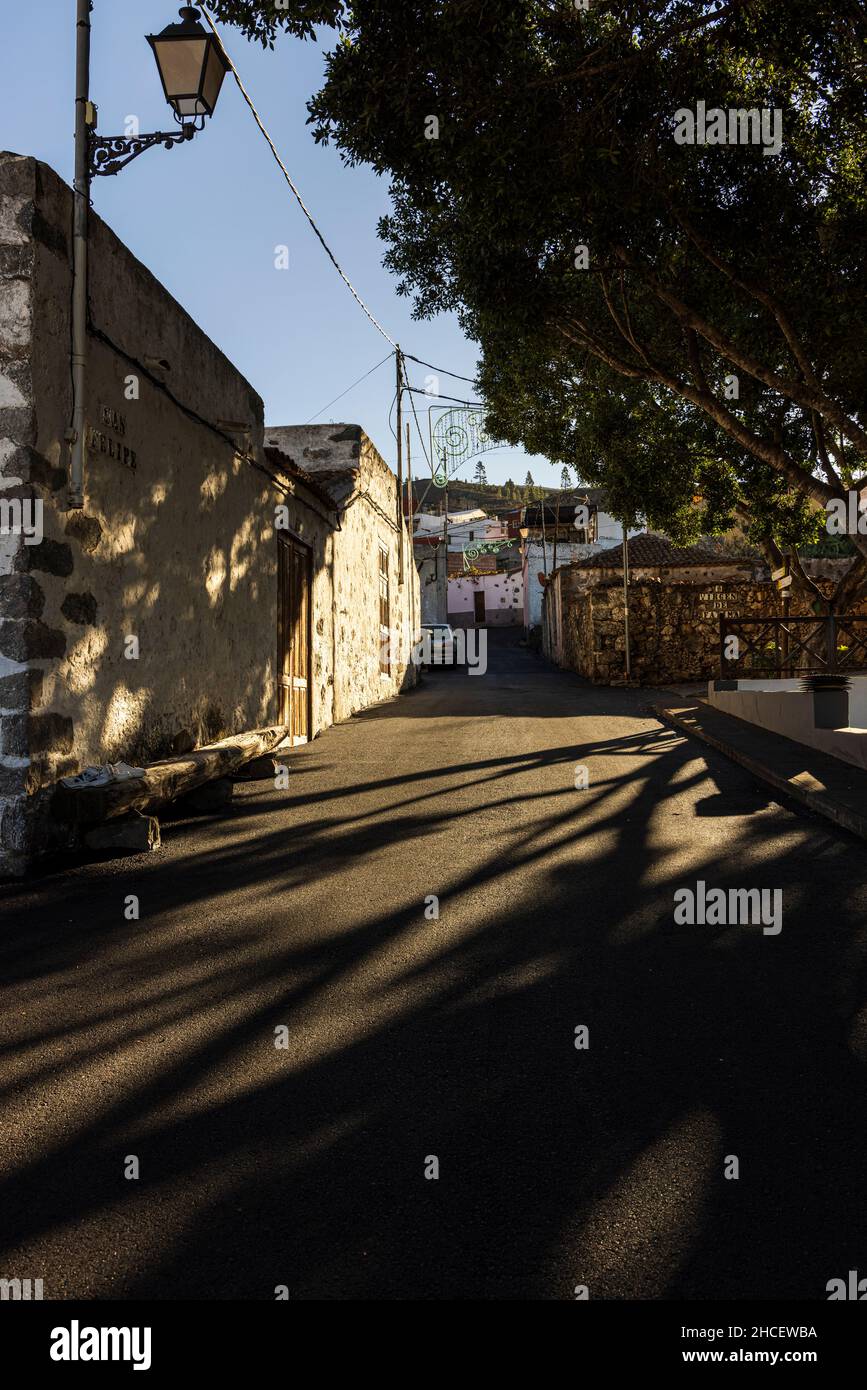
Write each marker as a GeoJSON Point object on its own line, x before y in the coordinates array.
{"type": "Point", "coordinates": [286, 465]}
{"type": "Point", "coordinates": [652, 551]}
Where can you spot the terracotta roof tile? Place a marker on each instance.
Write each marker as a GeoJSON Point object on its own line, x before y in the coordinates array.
{"type": "Point", "coordinates": [652, 551]}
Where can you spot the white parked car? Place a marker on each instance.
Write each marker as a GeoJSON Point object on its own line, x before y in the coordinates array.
{"type": "Point", "coordinates": [440, 646]}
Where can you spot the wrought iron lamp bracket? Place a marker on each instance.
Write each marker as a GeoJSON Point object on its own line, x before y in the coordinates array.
{"type": "Point", "coordinates": [111, 153]}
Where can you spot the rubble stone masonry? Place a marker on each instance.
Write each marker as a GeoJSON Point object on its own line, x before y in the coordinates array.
{"type": "Point", "coordinates": [176, 546]}
{"type": "Point", "coordinates": [674, 626]}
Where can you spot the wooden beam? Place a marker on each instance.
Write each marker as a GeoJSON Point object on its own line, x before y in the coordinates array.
{"type": "Point", "coordinates": [163, 781]}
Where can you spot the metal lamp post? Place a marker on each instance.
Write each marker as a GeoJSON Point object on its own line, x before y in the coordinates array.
{"type": "Point", "coordinates": [192, 66]}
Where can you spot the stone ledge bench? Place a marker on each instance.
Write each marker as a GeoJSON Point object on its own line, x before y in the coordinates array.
{"type": "Point", "coordinates": [163, 781]}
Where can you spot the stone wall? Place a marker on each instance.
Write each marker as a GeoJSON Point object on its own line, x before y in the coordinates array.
{"type": "Point", "coordinates": [368, 526]}
{"type": "Point", "coordinates": [131, 621]}
{"type": "Point", "coordinates": [26, 640]}
{"type": "Point", "coordinates": [154, 611]}
{"type": "Point", "coordinates": [739, 572]}
{"type": "Point", "coordinates": [674, 627]}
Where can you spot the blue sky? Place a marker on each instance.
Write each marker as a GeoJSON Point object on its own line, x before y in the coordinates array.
{"type": "Point", "coordinates": [206, 217]}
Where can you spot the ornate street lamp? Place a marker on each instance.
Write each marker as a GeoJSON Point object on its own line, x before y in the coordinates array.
{"type": "Point", "coordinates": [192, 66]}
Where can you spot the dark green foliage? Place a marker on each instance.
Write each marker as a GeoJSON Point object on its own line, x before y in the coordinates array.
{"type": "Point", "coordinates": [706, 263]}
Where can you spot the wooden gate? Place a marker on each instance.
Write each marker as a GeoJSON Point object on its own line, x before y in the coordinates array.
{"type": "Point", "coordinates": [296, 638]}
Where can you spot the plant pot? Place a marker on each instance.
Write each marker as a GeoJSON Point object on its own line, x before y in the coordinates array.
{"type": "Point", "coordinates": [830, 700]}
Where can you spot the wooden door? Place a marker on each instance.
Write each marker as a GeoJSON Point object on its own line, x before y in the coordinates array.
{"type": "Point", "coordinates": [296, 638]}
{"type": "Point", "coordinates": [384, 614]}
{"type": "Point", "coordinates": [479, 602]}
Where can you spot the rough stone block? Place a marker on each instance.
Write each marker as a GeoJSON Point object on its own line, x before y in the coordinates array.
{"type": "Point", "coordinates": [52, 557]}
{"type": "Point", "coordinates": [29, 640]}
{"type": "Point", "coordinates": [32, 467]}
{"type": "Point", "coordinates": [23, 734]}
{"type": "Point", "coordinates": [20, 691]}
{"type": "Point", "coordinates": [13, 734]}
{"type": "Point", "coordinates": [15, 322]}
{"type": "Point", "coordinates": [133, 834]}
{"type": "Point", "coordinates": [16, 260]}
{"type": "Point", "coordinates": [211, 798]}
{"type": "Point", "coordinates": [84, 529]}
{"type": "Point", "coordinates": [17, 416]}
{"type": "Point", "coordinates": [80, 608]}
{"type": "Point", "coordinates": [17, 176]}
{"type": "Point", "coordinates": [259, 770]}
{"type": "Point", "coordinates": [20, 597]}
{"type": "Point", "coordinates": [14, 781]}
{"type": "Point", "coordinates": [15, 825]}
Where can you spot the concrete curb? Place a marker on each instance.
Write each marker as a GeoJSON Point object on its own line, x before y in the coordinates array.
{"type": "Point", "coordinates": [803, 789]}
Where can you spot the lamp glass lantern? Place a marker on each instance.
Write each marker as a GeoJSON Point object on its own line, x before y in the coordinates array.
{"type": "Point", "coordinates": [192, 65]}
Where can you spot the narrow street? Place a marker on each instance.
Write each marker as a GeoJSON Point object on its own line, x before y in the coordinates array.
{"type": "Point", "coordinates": [411, 1037]}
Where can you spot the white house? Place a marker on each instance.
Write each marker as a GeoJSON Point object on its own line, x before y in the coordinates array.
{"type": "Point", "coordinates": [551, 539]}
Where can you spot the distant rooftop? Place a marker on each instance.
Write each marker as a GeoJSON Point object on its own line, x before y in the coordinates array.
{"type": "Point", "coordinates": [649, 550]}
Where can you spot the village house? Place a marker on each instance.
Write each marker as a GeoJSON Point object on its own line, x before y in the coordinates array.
{"type": "Point", "coordinates": [373, 589]}
{"type": "Point", "coordinates": [550, 538]}
{"type": "Point", "coordinates": [213, 582]}
{"type": "Point", "coordinates": [676, 595]}
{"type": "Point", "coordinates": [460, 545]}
{"type": "Point", "coordinates": [487, 600]}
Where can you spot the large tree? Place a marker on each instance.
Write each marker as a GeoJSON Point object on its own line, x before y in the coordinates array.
{"type": "Point", "coordinates": [677, 320]}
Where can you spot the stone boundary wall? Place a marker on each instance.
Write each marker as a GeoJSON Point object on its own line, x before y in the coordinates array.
{"type": "Point", "coordinates": [674, 628]}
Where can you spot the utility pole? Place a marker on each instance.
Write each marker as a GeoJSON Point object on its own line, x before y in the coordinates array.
{"type": "Point", "coordinates": [445, 616]}
{"type": "Point", "coordinates": [410, 506]}
{"type": "Point", "coordinates": [556, 532]}
{"type": "Point", "coordinates": [626, 603]}
{"type": "Point", "coordinates": [398, 362]}
{"type": "Point", "coordinates": [83, 122]}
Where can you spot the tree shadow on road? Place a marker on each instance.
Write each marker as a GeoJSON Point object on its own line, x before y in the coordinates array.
{"type": "Point", "coordinates": [411, 1038]}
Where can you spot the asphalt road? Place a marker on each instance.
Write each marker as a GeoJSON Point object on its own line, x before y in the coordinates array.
{"type": "Point", "coordinates": [409, 1039]}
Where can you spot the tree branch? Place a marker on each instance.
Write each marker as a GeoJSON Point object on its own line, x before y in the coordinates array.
{"type": "Point", "coordinates": [803, 395]}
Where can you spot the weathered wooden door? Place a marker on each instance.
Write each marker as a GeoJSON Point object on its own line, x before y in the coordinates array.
{"type": "Point", "coordinates": [295, 638]}
{"type": "Point", "coordinates": [479, 604]}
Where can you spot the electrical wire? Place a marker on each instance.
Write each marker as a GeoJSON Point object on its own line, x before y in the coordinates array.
{"type": "Point", "coordinates": [475, 405]}
{"type": "Point", "coordinates": [258, 119]}
{"type": "Point", "coordinates": [442, 370]}
{"type": "Point", "coordinates": [385, 359]}
{"type": "Point", "coordinates": [356, 296]}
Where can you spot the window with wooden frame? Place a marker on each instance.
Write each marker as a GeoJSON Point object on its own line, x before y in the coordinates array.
{"type": "Point", "coordinates": [384, 614]}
